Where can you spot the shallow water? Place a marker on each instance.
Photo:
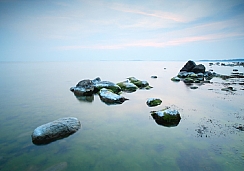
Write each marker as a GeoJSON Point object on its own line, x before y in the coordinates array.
{"type": "Point", "coordinates": [119, 137]}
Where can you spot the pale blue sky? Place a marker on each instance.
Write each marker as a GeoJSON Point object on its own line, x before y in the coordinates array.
{"type": "Point", "coordinates": [75, 30]}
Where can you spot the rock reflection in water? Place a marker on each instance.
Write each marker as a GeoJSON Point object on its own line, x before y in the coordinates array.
{"type": "Point", "coordinates": [89, 99]}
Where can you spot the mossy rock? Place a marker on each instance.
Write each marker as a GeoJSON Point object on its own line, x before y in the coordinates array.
{"type": "Point", "coordinates": [127, 86]}
{"type": "Point", "coordinates": [166, 117]}
{"type": "Point", "coordinates": [153, 102]}
{"type": "Point", "coordinates": [176, 79]}
{"type": "Point", "coordinates": [108, 85]}
{"type": "Point", "coordinates": [140, 84]}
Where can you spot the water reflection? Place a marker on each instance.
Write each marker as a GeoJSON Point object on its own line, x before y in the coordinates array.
{"type": "Point", "coordinates": [88, 99]}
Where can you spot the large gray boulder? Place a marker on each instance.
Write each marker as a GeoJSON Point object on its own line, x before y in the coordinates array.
{"type": "Point", "coordinates": [108, 97]}
{"type": "Point", "coordinates": [55, 130]}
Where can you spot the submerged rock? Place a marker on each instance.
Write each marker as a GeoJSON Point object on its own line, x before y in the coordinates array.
{"type": "Point", "coordinates": [55, 130]}
{"type": "Point", "coordinates": [109, 97]}
{"type": "Point", "coordinates": [166, 117]}
{"type": "Point", "coordinates": [153, 102]}
{"type": "Point", "coordinates": [127, 86]}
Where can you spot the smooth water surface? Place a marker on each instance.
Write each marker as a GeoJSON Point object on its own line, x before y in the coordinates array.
{"type": "Point", "coordinates": [119, 137]}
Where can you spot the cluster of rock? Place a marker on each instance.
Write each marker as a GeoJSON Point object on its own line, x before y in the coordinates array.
{"type": "Point", "coordinates": [192, 73]}
{"type": "Point", "coordinates": [55, 130]}
{"type": "Point", "coordinates": [108, 91]}
{"type": "Point", "coordinates": [227, 64]}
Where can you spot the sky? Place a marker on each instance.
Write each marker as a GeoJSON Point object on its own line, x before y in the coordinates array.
{"type": "Point", "coordinates": [77, 30]}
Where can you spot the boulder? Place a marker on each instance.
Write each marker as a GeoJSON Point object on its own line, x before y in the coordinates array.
{"type": "Point", "coordinates": [198, 69]}
{"type": "Point", "coordinates": [85, 87]}
{"type": "Point", "coordinates": [55, 130]}
{"type": "Point", "coordinates": [108, 97]}
{"type": "Point", "coordinates": [188, 66]}
{"type": "Point", "coordinates": [108, 85]}
{"type": "Point", "coordinates": [166, 117]}
{"type": "Point", "coordinates": [127, 86]}
{"type": "Point", "coordinates": [153, 102]}
{"type": "Point", "coordinates": [183, 74]}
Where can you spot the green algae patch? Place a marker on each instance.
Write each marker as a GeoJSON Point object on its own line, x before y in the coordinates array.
{"type": "Point", "coordinates": [127, 86]}
{"type": "Point", "coordinates": [140, 84]}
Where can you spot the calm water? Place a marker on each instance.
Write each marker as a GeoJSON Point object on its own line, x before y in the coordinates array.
{"type": "Point", "coordinates": [118, 137]}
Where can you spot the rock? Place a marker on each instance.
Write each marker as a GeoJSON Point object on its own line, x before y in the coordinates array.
{"type": "Point", "coordinates": [80, 91]}
{"type": "Point", "coordinates": [228, 89]}
{"type": "Point", "coordinates": [193, 87]}
{"type": "Point", "coordinates": [166, 117]}
{"type": "Point", "coordinates": [154, 76]}
{"type": "Point", "coordinates": [188, 66]}
{"type": "Point", "coordinates": [140, 84]}
{"type": "Point", "coordinates": [127, 86]}
{"type": "Point", "coordinates": [240, 127]}
{"type": "Point", "coordinates": [55, 130]}
{"type": "Point", "coordinates": [175, 79]}
{"type": "Point", "coordinates": [188, 80]}
{"type": "Point", "coordinates": [199, 69]}
{"type": "Point", "coordinates": [153, 102]}
{"type": "Point", "coordinates": [235, 70]}
{"type": "Point", "coordinates": [85, 87]}
{"type": "Point", "coordinates": [108, 85]}
{"type": "Point", "coordinates": [183, 74]}
{"type": "Point", "coordinates": [108, 97]}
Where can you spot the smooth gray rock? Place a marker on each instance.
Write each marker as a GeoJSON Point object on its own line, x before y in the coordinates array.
{"type": "Point", "coordinates": [54, 130]}
{"type": "Point", "coordinates": [108, 97]}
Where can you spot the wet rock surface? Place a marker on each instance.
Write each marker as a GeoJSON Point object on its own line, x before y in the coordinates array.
{"type": "Point", "coordinates": [55, 130]}
{"type": "Point", "coordinates": [108, 97]}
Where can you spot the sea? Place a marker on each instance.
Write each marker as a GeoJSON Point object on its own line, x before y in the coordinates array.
{"type": "Point", "coordinates": [122, 137]}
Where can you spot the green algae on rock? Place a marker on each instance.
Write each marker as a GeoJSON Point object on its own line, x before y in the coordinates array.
{"type": "Point", "coordinates": [166, 117]}
{"type": "Point", "coordinates": [153, 102]}
{"type": "Point", "coordinates": [108, 97]}
{"type": "Point", "coordinates": [140, 84]}
{"type": "Point", "coordinates": [127, 86]}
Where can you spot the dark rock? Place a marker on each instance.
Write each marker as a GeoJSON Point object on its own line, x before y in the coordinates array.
{"type": "Point", "coordinates": [228, 89]}
{"type": "Point", "coordinates": [188, 80]}
{"type": "Point", "coordinates": [108, 97]}
{"type": "Point", "coordinates": [188, 66]}
{"type": "Point", "coordinates": [199, 69]}
{"type": "Point", "coordinates": [193, 87]}
{"type": "Point", "coordinates": [235, 69]}
{"type": "Point", "coordinates": [55, 130]}
{"type": "Point", "coordinates": [183, 74]}
{"type": "Point", "coordinates": [154, 76]}
{"type": "Point", "coordinates": [166, 117]}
